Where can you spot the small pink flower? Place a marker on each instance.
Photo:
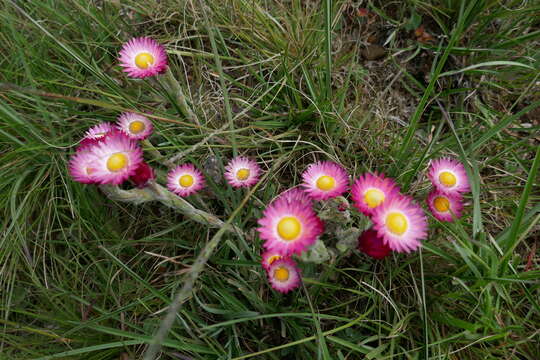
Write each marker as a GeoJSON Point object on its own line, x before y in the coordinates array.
{"type": "Point", "coordinates": [371, 244]}
{"type": "Point", "coordinates": [371, 190]}
{"type": "Point", "coordinates": [116, 159]}
{"type": "Point", "coordinates": [268, 257]}
{"type": "Point", "coordinates": [143, 57]}
{"type": "Point", "coordinates": [98, 131]}
{"type": "Point", "coordinates": [289, 227]}
{"type": "Point", "coordinates": [135, 126]}
{"type": "Point", "coordinates": [242, 172]}
{"type": "Point", "coordinates": [400, 223]}
{"type": "Point", "coordinates": [324, 180]}
{"type": "Point", "coordinates": [81, 168]}
{"type": "Point", "coordinates": [449, 176]}
{"type": "Point", "coordinates": [185, 180]}
{"type": "Point", "coordinates": [284, 275]}
{"type": "Point", "coordinates": [445, 207]}
{"type": "Point", "coordinates": [143, 174]}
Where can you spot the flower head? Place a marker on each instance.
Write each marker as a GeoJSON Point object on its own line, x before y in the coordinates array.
{"type": "Point", "coordinates": [185, 180]}
{"type": "Point", "coordinates": [268, 257]}
{"type": "Point", "coordinates": [116, 158]}
{"type": "Point", "coordinates": [98, 131]}
{"type": "Point", "coordinates": [289, 227]}
{"type": "Point", "coordinates": [449, 176]}
{"type": "Point", "coordinates": [143, 57]}
{"type": "Point", "coordinates": [143, 174]}
{"type": "Point", "coordinates": [445, 207]}
{"type": "Point", "coordinates": [400, 223]}
{"type": "Point", "coordinates": [81, 168]}
{"type": "Point", "coordinates": [324, 180]}
{"type": "Point", "coordinates": [373, 245]}
{"type": "Point", "coordinates": [371, 190]}
{"type": "Point", "coordinates": [283, 275]}
{"type": "Point", "coordinates": [242, 172]}
{"type": "Point", "coordinates": [135, 126]}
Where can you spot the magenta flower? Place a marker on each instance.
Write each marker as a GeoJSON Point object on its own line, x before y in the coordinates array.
{"type": "Point", "coordinates": [284, 275]}
{"type": "Point", "coordinates": [242, 172]}
{"type": "Point", "coordinates": [400, 223]}
{"type": "Point", "coordinates": [445, 207]}
{"type": "Point", "coordinates": [324, 180]}
{"type": "Point", "coordinates": [143, 57]}
{"type": "Point", "coordinates": [449, 176]}
{"type": "Point", "coordinates": [185, 180]}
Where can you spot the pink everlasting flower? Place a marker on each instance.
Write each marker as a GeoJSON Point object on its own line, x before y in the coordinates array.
{"type": "Point", "coordinates": [371, 190]}
{"type": "Point", "coordinates": [268, 257]}
{"type": "Point", "coordinates": [135, 126]}
{"type": "Point", "coordinates": [242, 172]}
{"type": "Point", "coordinates": [445, 207]}
{"type": "Point", "coordinates": [284, 275]}
{"type": "Point", "coordinates": [289, 227]}
{"type": "Point", "coordinates": [449, 176]}
{"type": "Point", "coordinates": [185, 180]}
{"type": "Point", "coordinates": [324, 180]}
{"type": "Point", "coordinates": [400, 223]}
{"type": "Point", "coordinates": [116, 159]}
{"type": "Point", "coordinates": [143, 57]}
{"type": "Point", "coordinates": [98, 131]}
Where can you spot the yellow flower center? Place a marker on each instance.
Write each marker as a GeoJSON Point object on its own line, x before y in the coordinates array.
{"type": "Point", "coordinates": [117, 162]}
{"type": "Point", "coordinates": [396, 223]}
{"type": "Point", "coordinates": [136, 127]}
{"type": "Point", "coordinates": [144, 60]}
{"type": "Point", "coordinates": [441, 204]}
{"type": "Point", "coordinates": [373, 198]}
{"type": "Point", "coordinates": [271, 259]}
{"type": "Point", "coordinates": [186, 180]}
{"type": "Point", "coordinates": [447, 178]}
{"type": "Point", "coordinates": [289, 228]}
{"type": "Point", "coordinates": [326, 183]}
{"type": "Point", "coordinates": [281, 274]}
{"type": "Point", "coordinates": [242, 174]}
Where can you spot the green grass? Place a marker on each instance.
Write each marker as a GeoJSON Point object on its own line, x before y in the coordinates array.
{"type": "Point", "coordinates": [84, 277]}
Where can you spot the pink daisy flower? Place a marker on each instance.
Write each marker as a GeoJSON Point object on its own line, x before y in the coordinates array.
{"type": "Point", "coordinates": [283, 275]}
{"type": "Point", "coordinates": [449, 176]}
{"type": "Point", "coordinates": [289, 227]}
{"type": "Point", "coordinates": [371, 190]}
{"type": "Point", "coordinates": [370, 243]}
{"type": "Point", "coordinates": [98, 131]}
{"type": "Point", "coordinates": [400, 223]}
{"type": "Point", "coordinates": [135, 126]}
{"type": "Point", "coordinates": [296, 195]}
{"type": "Point", "coordinates": [143, 57]}
{"type": "Point", "coordinates": [445, 207]}
{"type": "Point", "coordinates": [325, 179]}
{"type": "Point", "coordinates": [268, 257]}
{"type": "Point", "coordinates": [81, 168]}
{"type": "Point", "coordinates": [185, 180]}
{"type": "Point", "coordinates": [242, 172]}
{"type": "Point", "coordinates": [116, 159]}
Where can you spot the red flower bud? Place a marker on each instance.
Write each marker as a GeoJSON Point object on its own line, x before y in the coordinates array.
{"type": "Point", "coordinates": [143, 174]}
{"type": "Point", "coordinates": [371, 244]}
